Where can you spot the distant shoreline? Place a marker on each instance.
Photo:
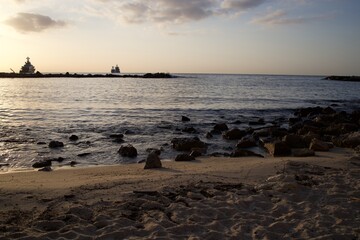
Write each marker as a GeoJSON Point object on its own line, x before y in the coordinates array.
{"type": "Point", "coordinates": [76, 75]}
{"type": "Point", "coordinates": [344, 78]}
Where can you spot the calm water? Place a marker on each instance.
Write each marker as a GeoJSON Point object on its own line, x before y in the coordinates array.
{"type": "Point", "coordinates": [150, 110]}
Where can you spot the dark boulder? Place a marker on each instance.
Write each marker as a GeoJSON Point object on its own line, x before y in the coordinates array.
{"type": "Point", "coordinates": [278, 148]}
{"type": "Point", "coordinates": [185, 119]}
{"type": "Point", "coordinates": [152, 161]}
{"type": "Point", "coordinates": [234, 134]}
{"type": "Point", "coordinates": [351, 140]}
{"type": "Point", "coordinates": [184, 158]}
{"type": "Point", "coordinates": [318, 145]}
{"type": "Point", "coordinates": [221, 127]}
{"type": "Point", "coordinates": [186, 144]}
{"type": "Point", "coordinates": [73, 138]}
{"type": "Point", "coordinates": [128, 151]}
{"type": "Point", "coordinates": [341, 128]}
{"type": "Point", "coordinates": [56, 144]}
{"type": "Point", "coordinates": [246, 142]}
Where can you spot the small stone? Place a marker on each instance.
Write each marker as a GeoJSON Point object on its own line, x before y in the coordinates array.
{"type": "Point", "coordinates": [234, 134]}
{"type": "Point", "coordinates": [185, 119]}
{"type": "Point", "coordinates": [128, 151]}
{"type": "Point", "coordinates": [73, 138]}
{"type": "Point", "coordinates": [42, 164]}
{"type": "Point", "coordinates": [83, 154]}
{"type": "Point", "coordinates": [221, 127]}
{"type": "Point", "coordinates": [56, 144]}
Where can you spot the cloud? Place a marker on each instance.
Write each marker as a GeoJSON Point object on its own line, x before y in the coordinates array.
{"type": "Point", "coordinates": [167, 11]}
{"type": "Point", "coordinates": [280, 17]}
{"type": "Point", "coordinates": [29, 22]}
{"type": "Point", "coordinates": [242, 4]}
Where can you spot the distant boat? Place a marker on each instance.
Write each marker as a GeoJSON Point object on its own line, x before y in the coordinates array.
{"type": "Point", "coordinates": [28, 68]}
{"type": "Point", "coordinates": [115, 69]}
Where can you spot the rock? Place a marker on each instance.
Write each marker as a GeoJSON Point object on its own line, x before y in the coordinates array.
{"type": "Point", "coordinates": [117, 135]}
{"type": "Point", "coordinates": [303, 152]}
{"type": "Point", "coordinates": [73, 163]}
{"type": "Point", "coordinates": [73, 138]}
{"type": "Point", "coordinates": [83, 154]}
{"type": "Point", "coordinates": [184, 158]}
{"type": "Point", "coordinates": [294, 141]}
{"type": "Point", "coordinates": [328, 110]}
{"type": "Point", "coordinates": [189, 130]}
{"type": "Point", "coordinates": [318, 145]}
{"type": "Point", "coordinates": [185, 119]}
{"type": "Point", "coordinates": [195, 153]}
{"type": "Point", "coordinates": [246, 142]}
{"type": "Point", "coordinates": [234, 134]}
{"type": "Point", "coordinates": [41, 164]}
{"type": "Point", "coordinates": [45, 169]}
{"type": "Point", "coordinates": [278, 148]}
{"type": "Point", "coordinates": [309, 137]}
{"type": "Point", "coordinates": [128, 151]}
{"type": "Point", "coordinates": [244, 153]}
{"type": "Point", "coordinates": [260, 121]}
{"type": "Point", "coordinates": [351, 140]}
{"type": "Point", "coordinates": [209, 135]}
{"type": "Point", "coordinates": [221, 127]}
{"type": "Point", "coordinates": [117, 138]}
{"type": "Point", "coordinates": [341, 128]}
{"type": "Point", "coordinates": [56, 144]}
{"type": "Point", "coordinates": [310, 111]}
{"type": "Point", "coordinates": [152, 161]}
{"type": "Point", "coordinates": [129, 132]}
{"type": "Point", "coordinates": [186, 144]}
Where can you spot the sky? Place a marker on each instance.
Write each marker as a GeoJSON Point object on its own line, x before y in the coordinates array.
{"type": "Point", "coordinates": [301, 37]}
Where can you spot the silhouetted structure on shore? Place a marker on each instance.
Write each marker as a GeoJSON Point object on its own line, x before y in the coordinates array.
{"type": "Point", "coordinates": [115, 69]}
{"type": "Point", "coordinates": [28, 68]}
{"type": "Point", "coordinates": [75, 75]}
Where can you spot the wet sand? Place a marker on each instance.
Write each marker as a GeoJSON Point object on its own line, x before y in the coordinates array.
{"type": "Point", "coordinates": [210, 198]}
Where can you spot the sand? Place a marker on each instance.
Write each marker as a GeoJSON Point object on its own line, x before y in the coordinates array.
{"type": "Point", "coordinates": [210, 198]}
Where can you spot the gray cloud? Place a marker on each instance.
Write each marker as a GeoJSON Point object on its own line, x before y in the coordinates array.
{"type": "Point", "coordinates": [29, 22]}
{"type": "Point", "coordinates": [280, 17]}
{"type": "Point", "coordinates": [241, 4]}
{"type": "Point", "coordinates": [168, 10]}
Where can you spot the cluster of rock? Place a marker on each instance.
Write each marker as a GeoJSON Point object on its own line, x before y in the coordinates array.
{"type": "Point", "coordinates": [311, 129]}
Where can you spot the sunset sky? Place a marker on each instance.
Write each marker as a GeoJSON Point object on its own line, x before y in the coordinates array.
{"type": "Point", "coordinates": [319, 37]}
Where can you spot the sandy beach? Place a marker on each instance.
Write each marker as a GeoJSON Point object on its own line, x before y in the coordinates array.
{"type": "Point", "coordinates": [210, 198]}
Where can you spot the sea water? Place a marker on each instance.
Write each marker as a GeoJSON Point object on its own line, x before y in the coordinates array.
{"type": "Point", "coordinates": [149, 111]}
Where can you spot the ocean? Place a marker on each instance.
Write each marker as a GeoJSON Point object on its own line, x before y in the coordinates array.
{"type": "Point", "coordinates": [147, 111]}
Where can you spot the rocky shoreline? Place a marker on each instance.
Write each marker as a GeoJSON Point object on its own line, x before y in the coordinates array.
{"type": "Point", "coordinates": [344, 78]}
{"type": "Point", "coordinates": [76, 75]}
{"type": "Point", "coordinates": [310, 130]}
